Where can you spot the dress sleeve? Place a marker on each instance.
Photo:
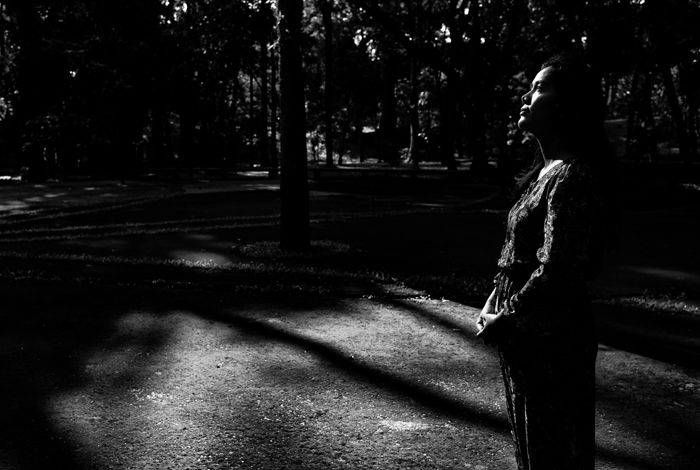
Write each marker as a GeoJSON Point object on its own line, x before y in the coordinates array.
{"type": "Point", "coordinates": [564, 257]}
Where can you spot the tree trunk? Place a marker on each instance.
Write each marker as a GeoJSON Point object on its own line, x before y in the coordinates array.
{"type": "Point", "coordinates": [252, 115]}
{"type": "Point", "coordinates": [476, 123]}
{"type": "Point", "coordinates": [414, 122]}
{"type": "Point", "coordinates": [387, 122]}
{"type": "Point", "coordinates": [157, 149]}
{"type": "Point", "coordinates": [326, 12]}
{"type": "Point", "coordinates": [689, 90]}
{"type": "Point", "coordinates": [30, 86]}
{"type": "Point", "coordinates": [233, 134]}
{"type": "Point", "coordinates": [449, 118]}
{"type": "Point", "coordinates": [187, 128]}
{"type": "Point", "coordinates": [632, 113]}
{"type": "Point", "coordinates": [295, 230]}
{"type": "Point", "coordinates": [263, 140]}
{"type": "Point", "coordinates": [274, 105]}
{"type": "Point", "coordinates": [647, 118]}
{"type": "Point", "coordinates": [684, 145]}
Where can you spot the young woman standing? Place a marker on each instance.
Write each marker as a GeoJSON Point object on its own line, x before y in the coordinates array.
{"type": "Point", "coordinates": [539, 313]}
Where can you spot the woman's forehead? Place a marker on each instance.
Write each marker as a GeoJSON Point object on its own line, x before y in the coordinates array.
{"type": "Point", "coordinates": [543, 75]}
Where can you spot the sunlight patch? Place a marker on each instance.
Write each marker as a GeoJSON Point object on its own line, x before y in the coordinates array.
{"type": "Point", "coordinates": [672, 304]}
{"type": "Point", "coordinates": [12, 205]}
{"type": "Point", "coordinates": [674, 274]}
{"type": "Point", "coordinates": [204, 259]}
{"type": "Point", "coordinates": [268, 249]}
{"type": "Point", "coordinates": [691, 186]}
{"type": "Point", "coordinates": [200, 237]}
{"type": "Point", "coordinates": [404, 425]}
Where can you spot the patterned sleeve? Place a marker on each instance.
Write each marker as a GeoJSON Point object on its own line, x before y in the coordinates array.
{"type": "Point", "coordinates": [564, 257]}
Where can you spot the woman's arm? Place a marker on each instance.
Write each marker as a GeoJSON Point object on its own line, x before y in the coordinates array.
{"type": "Point", "coordinates": [488, 318]}
{"type": "Point", "coordinates": [564, 257]}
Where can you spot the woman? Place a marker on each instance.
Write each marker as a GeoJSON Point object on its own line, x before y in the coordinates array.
{"type": "Point", "coordinates": [539, 313]}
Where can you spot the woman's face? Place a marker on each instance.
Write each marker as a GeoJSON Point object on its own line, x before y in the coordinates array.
{"type": "Point", "coordinates": [539, 113]}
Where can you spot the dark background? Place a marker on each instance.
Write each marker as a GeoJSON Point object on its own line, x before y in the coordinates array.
{"type": "Point", "coordinates": [119, 88]}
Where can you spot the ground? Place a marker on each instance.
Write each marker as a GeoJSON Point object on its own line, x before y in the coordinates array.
{"type": "Point", "coordinates": [158, 326]}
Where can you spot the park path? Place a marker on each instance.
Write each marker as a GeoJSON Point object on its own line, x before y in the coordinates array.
{"type": "Point", "coordinates": [132, 345]}
{"type": "Point", "coordinates": [396, 381]}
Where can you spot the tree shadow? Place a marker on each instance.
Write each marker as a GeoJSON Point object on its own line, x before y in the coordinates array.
{"type": "Point", "coordinates": [45, 339]}
{"type": "Point", "coordinates": [632, 408]}
{"type": "Point", "coordinates": [651, 333]}
{"type": "Point", "coordinates": [649, 417]}
{"type": "Point", "coordinates": [429, 397]}
{"type": "Point", "coordinates": [48, 341]}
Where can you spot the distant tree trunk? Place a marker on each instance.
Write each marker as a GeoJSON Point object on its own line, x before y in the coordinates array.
{"type": "Point", "coordinates": [449, 118]}
{"type": "Point", "coordinates": [295, 230]}
{"type": "Point", "coordinates": [476, 122]}
{"type": "Point", "coordinates": [156, 146]}
{"type": "Point", "coordinates": [647, 117]}
{"type": "Point", "coordinates": [252, 115]}
{"type": "Point", "coordinates": [234, 138]}
{"type": "Point", "coordinates": [29, 84]}
{"type": "Point", "coordinates": [187, 128]}
{"type": "Point", "coordinates": [387, 123]}
{"type": "Point", "coordinates": [686, 147]}
{"type": "Point", "coordinates": [263, 141]}
{"type": "Point", "coordinates": [326, 13]}
{"type": "Point", "coordinates": [359, 127]}
{"type": "Point", "coordinates": [632, 113]}
{"type": "Point", "coordinates": [414, 123]}
{"type": "Point", "coordinates": [611, 86]}
{"type": "Point", "coordinates": [274, 105]}
{"type": "Point", "coordinates": [690, 93]}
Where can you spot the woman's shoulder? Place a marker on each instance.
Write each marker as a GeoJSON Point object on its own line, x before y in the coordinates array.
{"type": "Point", "coordinates": [574, 176]}
{"type": "Point", "coordinates": [575, 170]}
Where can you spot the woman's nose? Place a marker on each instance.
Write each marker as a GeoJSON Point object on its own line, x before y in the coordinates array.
{"type": "Point", "coordinates": [525, 97]}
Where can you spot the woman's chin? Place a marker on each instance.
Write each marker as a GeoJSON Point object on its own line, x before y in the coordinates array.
{"type": "Point", "coordinates": [523, 124]}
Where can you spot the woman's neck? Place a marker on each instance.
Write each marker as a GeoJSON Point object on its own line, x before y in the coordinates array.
{"type": "Point", "coordinates": [552, 151]}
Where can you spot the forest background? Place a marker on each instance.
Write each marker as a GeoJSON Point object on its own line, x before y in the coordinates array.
{"type": "Point", "coordinates": [118, 88]}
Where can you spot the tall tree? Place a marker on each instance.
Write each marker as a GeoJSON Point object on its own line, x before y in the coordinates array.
{"type": "Point", "coordinates": [31, 73]}
{"type": "Point", "coordinates": [388, 146]}
{"type": "Point", "coordinates": [263, 139]}
{"type": "Point", "coordinates": [326, 8]}
{"type": "Point", "coordinates": [414, 11]}
{"type": "Point", "coordinates": [274, 105]}
{"type": "Point", "coordinates": [295, 230]}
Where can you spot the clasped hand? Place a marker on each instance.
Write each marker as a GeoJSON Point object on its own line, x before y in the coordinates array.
{"type": "Point", "coordinates": [488, 323]}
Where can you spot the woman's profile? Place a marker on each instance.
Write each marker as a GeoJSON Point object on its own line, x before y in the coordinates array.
{"type": "Point", "coordinates": [538, 314]}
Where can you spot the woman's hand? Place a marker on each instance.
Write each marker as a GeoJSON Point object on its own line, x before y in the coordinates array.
{"type": "Point", "coordinates": [488, 323]}
{"type": "Point", "coordinates": [489, 309]}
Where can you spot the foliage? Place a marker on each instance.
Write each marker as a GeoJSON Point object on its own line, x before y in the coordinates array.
{"type": "Point", "coordinates": [113, 87]}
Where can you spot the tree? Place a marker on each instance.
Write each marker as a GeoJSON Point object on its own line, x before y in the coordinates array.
{"type": "Point", "coordinates": [326, 8]}
{"type": "Point", "coordinates": [295, 230]}
{"type": "Point", "coordinates": [264, 15]}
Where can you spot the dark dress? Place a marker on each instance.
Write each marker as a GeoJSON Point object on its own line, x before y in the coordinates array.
{"type": "Point", "coordinates": [546, 339]}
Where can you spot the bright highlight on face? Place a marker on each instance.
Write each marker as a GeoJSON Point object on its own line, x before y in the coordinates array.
{"type": "Point", "coordinates": [539, 112]}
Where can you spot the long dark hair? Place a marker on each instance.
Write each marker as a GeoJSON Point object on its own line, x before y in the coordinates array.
{"type": "Point", "coordinates": [583, 116]}
{"type": "Point", "coordinates": [582, 128]}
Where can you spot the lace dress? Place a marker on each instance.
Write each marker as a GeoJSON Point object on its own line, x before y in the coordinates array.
{"type": "Point", "coordinates": [546, 342]}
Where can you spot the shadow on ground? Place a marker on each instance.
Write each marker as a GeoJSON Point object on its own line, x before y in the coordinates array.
{"type": "Point", "coordinates": [51, 341]}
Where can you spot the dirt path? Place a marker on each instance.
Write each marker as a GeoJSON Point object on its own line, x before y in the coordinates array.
{"type": "Point", "coordinates": [141, 330]}
{"type": "Point", "coordinates": [303, 382]}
